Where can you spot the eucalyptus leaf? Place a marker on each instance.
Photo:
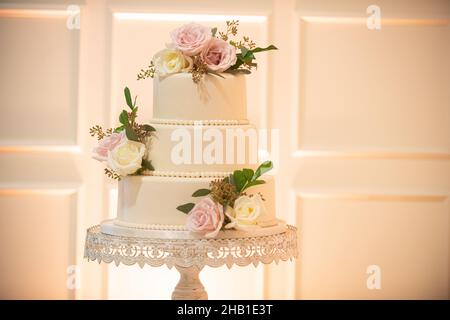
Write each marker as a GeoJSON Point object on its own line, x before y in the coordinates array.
{"type": "Point", "coordinates": [128, 97]}
{"type": "Point", "coordinates": [131, 135]}
{"type": "Point", "coordinates": [119, 129]}
{"type": "Point", "coordinates": [186, 208]}
{"type": "Point", "coordinates": [123, 117]}
{"type": "Point", "coordinates": [263, 168]}
{"type": "Point", "coordinates": [239, 180]}
{"type": "Point", "coordinates": [248, 56]}
{"type": "Point", "coordinates": [201, 192]}
{"type": "Point", "coordinates": [253, 183]}
{"type": "Point", "coordinates": [239, 62]}
{"type": "Point", "coordinates": [244, 50]}
{"type": "Point", "coordinates": [259, 49]}
{"type": "Point", "coordinates": [248, 173]}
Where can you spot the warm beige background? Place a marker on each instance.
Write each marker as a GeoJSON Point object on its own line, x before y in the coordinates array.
{"type": "Point", "coordinates": [364, 153]}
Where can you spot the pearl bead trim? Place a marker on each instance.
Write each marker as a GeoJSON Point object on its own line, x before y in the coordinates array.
{"type": "Point", "coordinates": [150, 226]}
{"type": "Point", "coordinates": [180, 174]}
{"type": "Point", "coordinates": [217, 122]}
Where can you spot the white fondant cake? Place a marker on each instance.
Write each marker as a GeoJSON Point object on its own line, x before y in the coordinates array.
{"type": "Point", "coordinates": [174, 147]}
{"type": "Point", "coordinates": [150, 200]}
{"type": "Point", "coordinates": [177, 97]}
{"type": "Point", "coordinates": [202, 112]}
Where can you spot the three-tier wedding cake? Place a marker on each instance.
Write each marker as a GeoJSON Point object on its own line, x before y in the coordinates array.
{"type": "Point", "coordinates": [193, 170]}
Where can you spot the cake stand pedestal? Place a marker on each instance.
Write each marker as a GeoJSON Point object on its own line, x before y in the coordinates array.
{"type": "Point", "coordinates": [189, 256]}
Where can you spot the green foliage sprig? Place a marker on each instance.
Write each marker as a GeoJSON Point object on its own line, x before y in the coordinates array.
{"type": "Point", "coordinates": [225, 191]}
{"type": "Point", "coordinates": [98, 131]}
{"type": "Point", "coordinates": [112, 174]}
{"type": "Point", "coordinates": [148, 72]}
{"type": "Point", "coordinates": [133, 130]}
{"type": "Point", "coordinates": [232, 29]}
{"type": "Point", "coordinates": [245, 59]}
{"type": "Point", "coordinates": [247, 47]}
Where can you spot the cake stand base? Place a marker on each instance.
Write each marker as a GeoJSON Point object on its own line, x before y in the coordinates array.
{"type": "Point", "coordinates": [189, 256]}
{"type": "Point", "coordinates": [189, 287]}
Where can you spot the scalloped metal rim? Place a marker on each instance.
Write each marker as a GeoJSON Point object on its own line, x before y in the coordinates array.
{"type": "Point", "coordinates": [190, 252]}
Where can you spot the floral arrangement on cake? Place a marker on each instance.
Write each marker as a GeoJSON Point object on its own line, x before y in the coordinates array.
{"type": "Point", "coordinates": [123, 148]}
{"type": "Point", "coordinates": [226, 204]}
{"type": "Point", "coordinates": [201, 50]}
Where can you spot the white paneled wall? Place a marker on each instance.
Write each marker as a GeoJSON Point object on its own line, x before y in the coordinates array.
{"type": "Point", "coordinates": [364, 150]}
{"type": "Point", "coordinates": [370, 149]}
{"type": "Point", "coordinates": [46, 177]}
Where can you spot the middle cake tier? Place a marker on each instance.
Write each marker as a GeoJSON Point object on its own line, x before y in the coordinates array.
{"type": "Point", "coordinates": [199, 147]}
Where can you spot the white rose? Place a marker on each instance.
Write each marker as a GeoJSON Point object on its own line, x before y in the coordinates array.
{"type": "Point", "coordinates": [126, 158]}
{"type": "Point", "coordinates": [245, 213]}
{"type": "Point", "coordinates": [170, 61]}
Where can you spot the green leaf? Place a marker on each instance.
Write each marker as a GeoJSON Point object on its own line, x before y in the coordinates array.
{"type": "Point", "coordinates": [123, 118]}
{"type": "Point", "coordinates": [131, 135]}
{"type": "Point", "coordinates": [263, 168]}
{"type": "Point", "coordinates": [146, 164]}
{"type": "Point", "coordinates": [248, 56]}
{"type": "Point", "coordinates": [201, 192]}
{"type": "Point", "coordinates": [239, 180]}
{"type": "Point", "coordinates": [248, 173]}
{"type": "Point", "coordinates": [258, 49]}
{"type": "Point", "coordinates": [238, 71]}
{"type": "Point", "coordinates": [244, 50]}
{"type": "Point", "coordinates": [186, 208]}
{"type": "Point", "coordinates": [213, 32]}
{"type": "Point", "coordinates": [128, 98]}
{"type": "Point", "coordinates": [148, 128]}
{"type": "Point", "coordinates": [239, 61]}
{"type": "Point", "coordinates": [119, 129]}
{"type": "Point", "coordinates": [253, 183]}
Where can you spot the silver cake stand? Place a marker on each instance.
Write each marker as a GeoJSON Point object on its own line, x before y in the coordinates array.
{"type": "Point", "coordinates": [189, 256]}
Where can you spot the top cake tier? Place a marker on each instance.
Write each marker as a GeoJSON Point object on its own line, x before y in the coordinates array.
{"type": "Point", "coordinates": [177, 97]}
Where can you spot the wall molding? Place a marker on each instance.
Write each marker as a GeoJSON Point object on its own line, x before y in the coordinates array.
{"type": "Point", "coordinates": [40, 148]}
{"type": "Point", "coordinates": [373, 196]}
{"type": "Point", "coordinates": [415, 155]}
{"type": "Point", "coordinates": [384, 21]}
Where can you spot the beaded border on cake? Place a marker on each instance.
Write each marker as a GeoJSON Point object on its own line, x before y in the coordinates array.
{"type": "Point", "coordinates": [180, 174]}
{"type": "Point", "coordinates": [217, 122]}
{"type": "Point", "coordinates": [150, 226]}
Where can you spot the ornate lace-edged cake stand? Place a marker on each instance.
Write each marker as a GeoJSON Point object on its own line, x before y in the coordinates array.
{"type": "Point", "coordinates": [189, 256]}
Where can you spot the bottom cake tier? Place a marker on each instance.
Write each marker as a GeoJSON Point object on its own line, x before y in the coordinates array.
{"type": "Point", "coordinates": [150, 202]}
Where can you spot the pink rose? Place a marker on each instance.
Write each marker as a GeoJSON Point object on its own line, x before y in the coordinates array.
{"type": "Point", "coordinates": [100, 153]}
{"type": "Point", "coordinates": [191, 38]}
{"type": "Point", "coordinates": [206, 217]}
{"type": "Point", "coordinates": [218, 55]}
